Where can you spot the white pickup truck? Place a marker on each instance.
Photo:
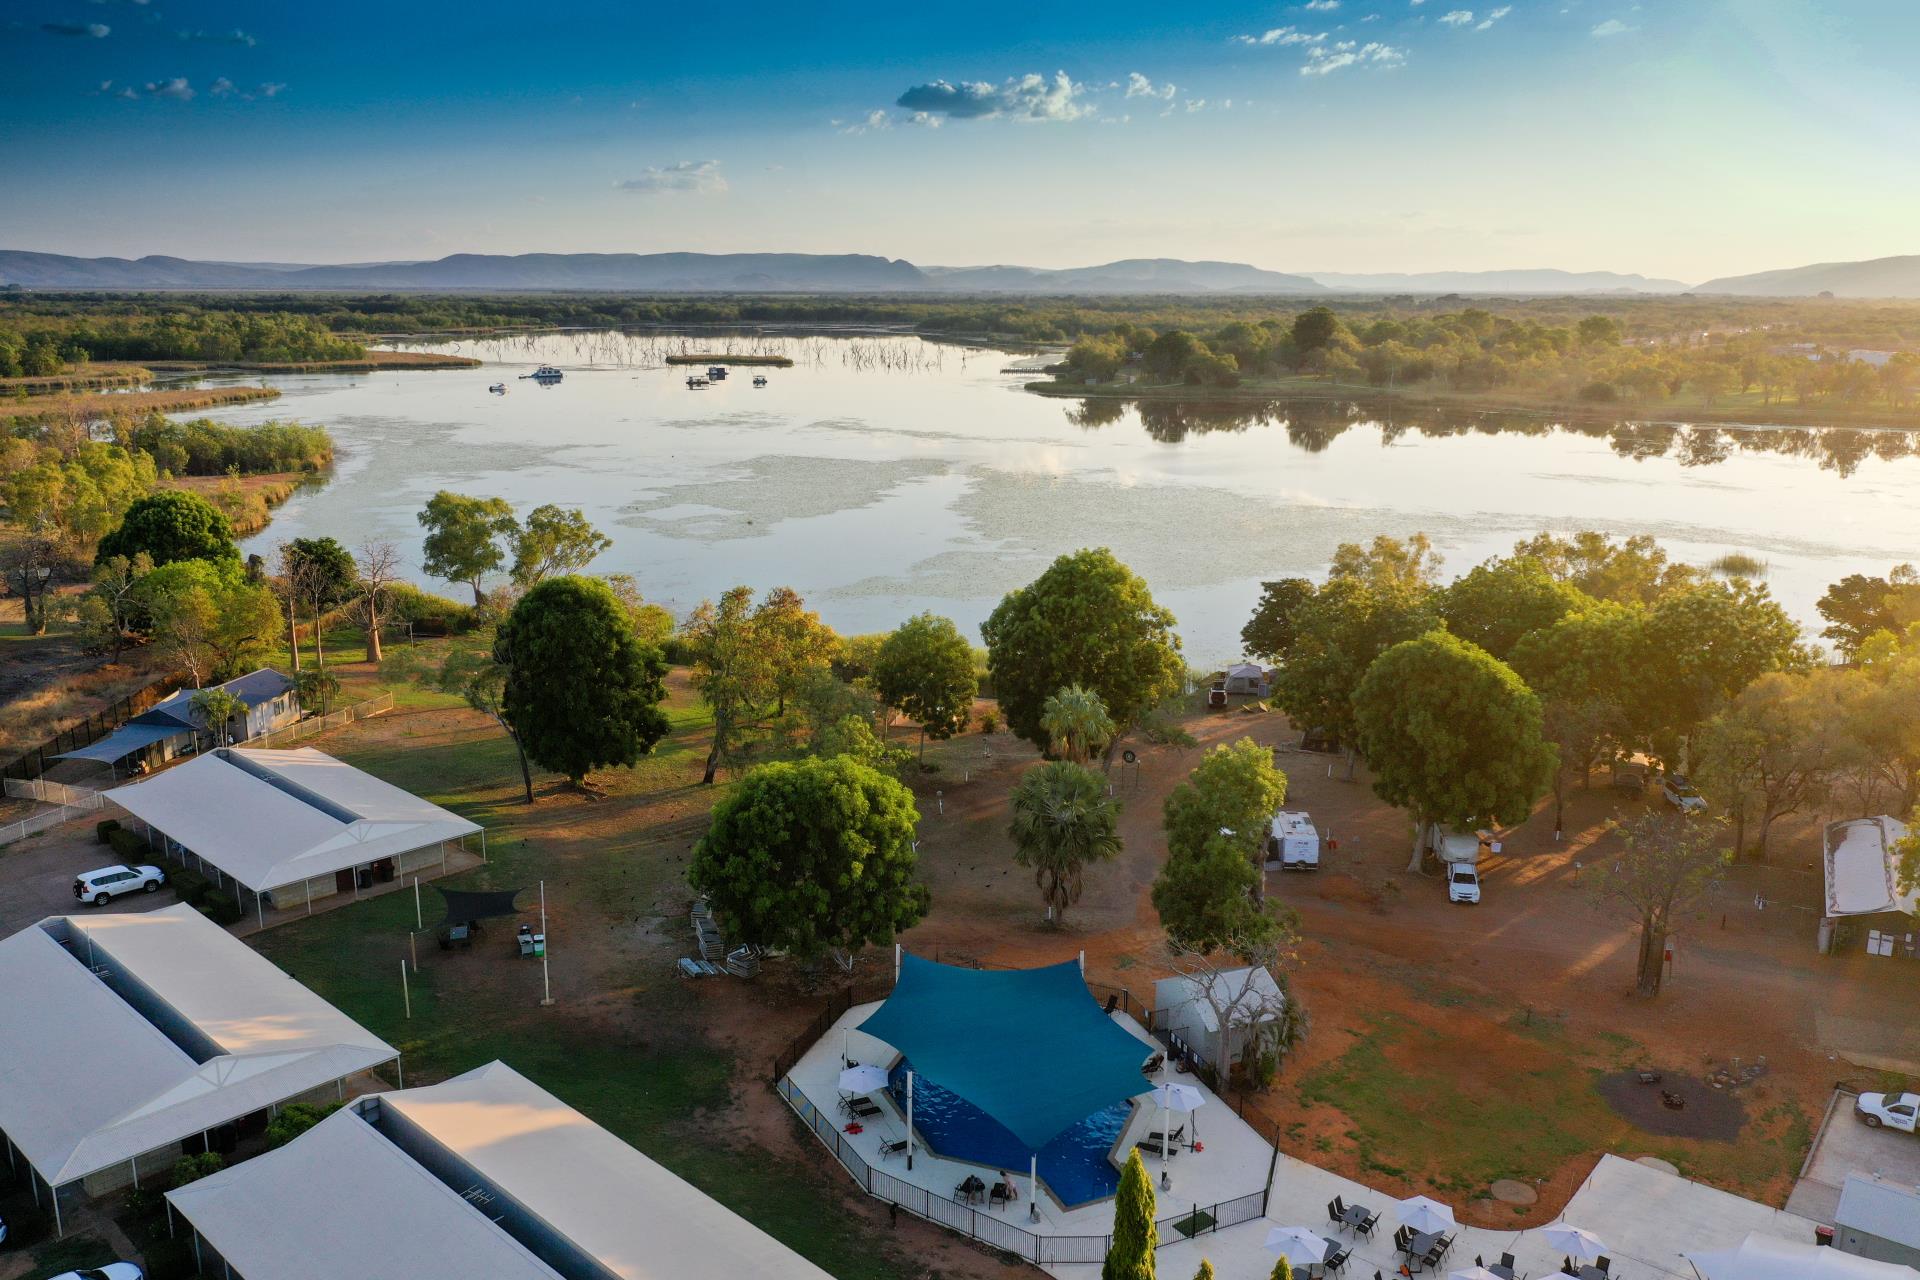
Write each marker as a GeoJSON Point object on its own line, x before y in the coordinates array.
{"type": "Point", "coordinates": [1893, 1110]}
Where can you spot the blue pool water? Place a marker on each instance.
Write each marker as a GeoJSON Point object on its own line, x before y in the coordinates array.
{"type": "Point", "coordinates": [1074, 1165]}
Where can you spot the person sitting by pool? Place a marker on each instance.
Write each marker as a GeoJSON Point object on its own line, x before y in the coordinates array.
{"type": "Point", "coordinates": [1006, 1190]}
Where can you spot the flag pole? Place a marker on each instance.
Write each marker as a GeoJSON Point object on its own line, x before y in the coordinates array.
{"type": "Point", "coordinates": [546, 982]}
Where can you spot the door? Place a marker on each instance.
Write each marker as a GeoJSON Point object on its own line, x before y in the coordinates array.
{"type": "Point", "coordinates": [343, 881]}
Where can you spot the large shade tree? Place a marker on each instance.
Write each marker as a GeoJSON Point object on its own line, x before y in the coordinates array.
{"type": "Point", "coordinates": [810, 855]}
{"type": "Point", "coordinates": [1088, 620]}
{"type": "Point", "coordinates": [1498, 603]}
{"type": "Point", "coordinates": [171, 526]}
{"type": "Point", "coordinates": [582, 691]}
{"type": "Point", "coordinates": [1452, 735]}
{"type": "Point", "coordinates": [1063, 821]}
{"type": "Point", "coordinates": [1339, 632]}
{"type": "Point", "coordinates": [1670, 862]}
{"type": "Point", "coordinates": [924, 670]}
{"type": "Point", "coordinates": [464, 538]}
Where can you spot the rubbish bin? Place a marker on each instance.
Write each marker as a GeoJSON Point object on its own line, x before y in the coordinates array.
{"type": "Point", "coordinates": [1823, 1235]}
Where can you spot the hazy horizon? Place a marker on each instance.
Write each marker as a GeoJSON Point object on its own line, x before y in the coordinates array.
{"type": "Point", "coordinates": [1686, 141]}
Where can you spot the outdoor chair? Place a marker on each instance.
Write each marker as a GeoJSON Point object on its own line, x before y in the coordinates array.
{"type": "Point", "coordinates": [1339, 1259]}
{"type": "Point", "coordinates": [998, 1194]}
{"type": "Point", "coordinates": [1154, 1144]}
{"type": "Point", "coordinates": [1506, 1260]}
{"type": "Point", "coordinates": [1366, 1225]}
{"type": "Point", "coordinates": [1154, 1063]}
{"type": "Point", "coordinates": [894, 1148]}
{"type": "Point", "coordinates": [1566, 1266]}
{"type": "Point", "coordinates": [1604, 1263]}
{"type": "Point", "coordinates": [1333, 1209]}
{"type": "Point", "coordinates": [1177, 1137]}
{"type": "Point", "coordinates": [1113, 1002]}
{"type": "Point", "coordinates": [1402, 1237]}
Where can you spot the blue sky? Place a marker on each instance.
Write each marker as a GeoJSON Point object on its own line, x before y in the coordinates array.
{"type": "Point", "coordinates": [1680, 138]}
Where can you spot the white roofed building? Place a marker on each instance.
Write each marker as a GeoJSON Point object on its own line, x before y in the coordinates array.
{"type": "Point", "coordinates": [1863, 881]}
{"type": "Point", "coordinates": [129, 1039]}
{"type": "Point", "coordinates": [289, 827]}
{"type": "Point", "coordinates": [486, 1174]}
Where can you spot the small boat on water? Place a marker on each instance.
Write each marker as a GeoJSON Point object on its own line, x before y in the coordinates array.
{"type": "Point", "coordinates": [698, 383]}
{"type": "Point", "coordinates": [759, 379]}
{"type": "Point", "coordinates": [498, 388]}
{"type": "Point", "coordinates": [545, 373]}
{"type": "Point", "coordinates": [716, 372]}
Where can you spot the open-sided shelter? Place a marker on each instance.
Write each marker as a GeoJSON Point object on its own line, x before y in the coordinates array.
{"type": "Point", "coordinates": [487, 1175]}
{"type": "Point", "coordinates": [291, 826]}
{"type": "Point", "coordinates": [128, 1039]}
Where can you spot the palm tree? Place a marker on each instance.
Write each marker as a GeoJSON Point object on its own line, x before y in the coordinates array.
{"type": "Point", "coordinates": [217, 707]}
{"type": "Point", "coordinates": [1077, 722]}
{"type": "Point", "coordinates": [1063, 819]}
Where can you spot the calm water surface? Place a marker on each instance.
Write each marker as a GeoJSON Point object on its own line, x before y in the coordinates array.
{"type": "Point", "coordinates": [882, 476]}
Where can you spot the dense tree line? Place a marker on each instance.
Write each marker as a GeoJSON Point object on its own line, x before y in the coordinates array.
{"type": "Point", "coordinates": [41, 344]}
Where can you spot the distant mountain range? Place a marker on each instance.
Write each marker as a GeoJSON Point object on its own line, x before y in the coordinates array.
{"type": "Point", "coordinates": [1875, 278]}
{"type": "Point", "coordinates": [865, 273]}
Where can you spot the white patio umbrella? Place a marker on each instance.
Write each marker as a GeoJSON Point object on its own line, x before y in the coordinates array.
{"type": "Point", "coordinates": [1575, 1242]}
{"type": "Point", "coordinates": [865, 1078]}
{"type": "Point", "coordinates": [1425, 1214]}
{"type": "Point", "coordinates": [1302, 1246]}
{"type": "Point", "coordinates": [1472, 1273]}
{"type": "Point", "coordinates": [1173, 1096]}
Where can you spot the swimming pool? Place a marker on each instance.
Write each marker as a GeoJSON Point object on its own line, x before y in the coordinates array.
{"type": "Point", "coordinates": [1074, 1165]}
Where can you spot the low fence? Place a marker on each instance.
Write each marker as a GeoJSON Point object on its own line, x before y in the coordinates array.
{"type": "Point", "coordinates": [35, 761]}
{"type": "Point", "coordinates": [997, 1230]}
{"type": "Point", "coordinates": [314, 725]}
{"type": "Point", "coordinates": [33, 824]}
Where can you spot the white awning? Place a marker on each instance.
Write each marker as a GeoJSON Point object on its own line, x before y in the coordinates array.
{"type": "Point", "coordinates": [638, 1219]}
{"type": "Point", "coordinates": [273, 818]}
{"type": "Point", "coordinates": [87, 1081]}
{"type": "Point", "coordinates": [341, 1200]}
{"type": "Point", "coordinates": [1862, 877]}
{"type": "Point", "coordinates": [1767, 1258]}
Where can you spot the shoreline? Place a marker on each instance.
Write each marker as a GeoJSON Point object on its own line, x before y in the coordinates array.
{"type": "Point", "coordinates": [1789, 418]}
{"type": "Point", "coordinates": [95, 407]}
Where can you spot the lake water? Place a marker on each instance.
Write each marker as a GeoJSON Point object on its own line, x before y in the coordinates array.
{"type": "Point", "coordinates": [885, 475]}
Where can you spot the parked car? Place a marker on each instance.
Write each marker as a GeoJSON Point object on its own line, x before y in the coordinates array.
{"type": "Point", "coordinates": [1630, 778]}
{"type": "Point", "coordinates": [112, 1271]}
{"type": "Point", "coordinates": [1463, 882]}
{"type": "Point", "coordinates": [110, 882]}
{"type": "Point", "coordinates": [1893, 1110]}
{"type": "Point", "coordinates": [1682, 794]}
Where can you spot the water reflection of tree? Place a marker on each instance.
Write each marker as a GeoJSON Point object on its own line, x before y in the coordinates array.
{"type": "Point", "coordinates": [1313, 425]}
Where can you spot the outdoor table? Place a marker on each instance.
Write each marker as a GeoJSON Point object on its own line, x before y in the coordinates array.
{"type": "Point", "coordinates": [1418, 1247]}
{"type": "Point", "coordinates": [1593, 1273]}
{"type": "Point", "coordinates": [1502, 1270]}
{"type": "Point", "coordinates": [1356, 1215]}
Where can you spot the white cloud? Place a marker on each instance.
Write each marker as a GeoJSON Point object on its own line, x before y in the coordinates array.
{"type": "Point", "coordinates": [267, 90]}
{"type": "Point", "coordinates": [1326, 59]}
{"type": "Point", "coordinates": [177, 89]}
{"type": "Point", "coordinates": [1138, 86]}
{"type": "Point", "coordinates": [221, 88]}
{"type": "Point", "coordinates": [702, 176]}
{"type": "Point", "coordinates": [925, 120]}
{"type": "Point", "coordinates": [1494, 17]}
{"type": "Point", "coordinates": [1372, 17]}
{"type": "Point", "coordinates": [1029, 97]}
{"type": "Point", "coordinates": [1282, 36]}
{"type": "Point", "coordinates": [1611, 27]}
{"type": "Point", "coordinates": [88, 30]}
{"type": "Point", "coordinates": [235, 36]}
{"type": "Point", "coordinates": [1322, 6]}
{"type": "Point", "coordinates": [874, 121]}
{"type": "Point", "coordinates": [1456, 18]}
{"type": "Point", "coordinates": [1196, 104]}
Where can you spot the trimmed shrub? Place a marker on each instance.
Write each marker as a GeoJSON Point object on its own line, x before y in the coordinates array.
{"type": "Point", "coordinates": [103, 831]}
{"type": "Point", "coordinates": [189, 884]}
{"type": "Point", "coordinates": [221, 908]}
{"type": "Point", "coordinates": [429, 614]}
{"type": "Point", "coordinates": [295, 1119]}
{"type": "Point", "coordinates": [127, 844]}
{"type": "Point", "coordinates": [197, 1166]}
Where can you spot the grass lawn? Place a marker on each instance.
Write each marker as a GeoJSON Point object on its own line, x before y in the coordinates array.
{"type": "Point", "coordinates": [1419, 1103]}
{"type": "Point", "coordinates": [645, 1068]}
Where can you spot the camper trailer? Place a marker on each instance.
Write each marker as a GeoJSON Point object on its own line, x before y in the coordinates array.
{"type": "Point", "coordinates": [1458, 853]}
{"type": "Point", "coordinates": [1293, 844]}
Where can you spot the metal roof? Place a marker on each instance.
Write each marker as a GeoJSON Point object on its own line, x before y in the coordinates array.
{"type": "Point", "coordinates": [1889, 1210]}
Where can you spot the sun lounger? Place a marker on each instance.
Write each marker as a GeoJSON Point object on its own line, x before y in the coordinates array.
{"type": "Point", "coordinates": [894, 1148]}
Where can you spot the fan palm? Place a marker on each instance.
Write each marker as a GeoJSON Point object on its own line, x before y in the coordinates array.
{"type": "Point", "coordinates": [1077, 723]}
{"type": "Point", "coordinates": [1063, 820]}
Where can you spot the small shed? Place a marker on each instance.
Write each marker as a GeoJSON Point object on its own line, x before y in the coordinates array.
{"type": "Point", "coordinates": [1190, 1006]}
{"type": "Point", "coordinates": [1878, 1219]}
{"type": "Point", "coordinates": [1863, 884]}
{"type": "Point", "coordinates": [1248, 678]}
{"type": "Point", "coordinates": [174, 726]}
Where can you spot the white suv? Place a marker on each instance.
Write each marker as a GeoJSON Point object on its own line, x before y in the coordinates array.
{"type": "Point", "coordinates": [110, 882]}
{"type": "Point", "coordinates": [1463, 883]}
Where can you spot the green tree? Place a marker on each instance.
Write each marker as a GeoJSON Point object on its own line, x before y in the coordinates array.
{"type": "Point", "coordinates": [192, 1168]}
{"type": "Point", "coordinates": [1130, 1255]}
{"type": "Point", "coordinates": [1205, 1272]}
{"type": "Point", "coordinates": [1857, 606]}
{"type": "Point", "coordinates": [1635, 571]}
{"type": "Point", "coordinates": [1452, 735]}
{"type": "Point", "coordinates": [316, 688]}
{"type": "Point", "coordinates": [1235, 788]}
{"type": "Point", "coordinates": [1282, 1270]}
{"type": "Point", "coordinates": [171, 526]}
{"type": "Point", "coordinates": [1339, 632]}
{"type": "Point", "coordinates": [1063, 820]}
{"type": "Point", "coordinates": [554, 540]}
{"type": "Point", "coordinates": [1314, 329]}
{"type": "Point", "coordinates": [1582, 667]}
{"type": "Point", "coordinates": [1088, 621]}
{"type": "Point", "coordinates": [294, 1119]}
{"type": "Point", "coordinates": [1209, 899]}
{"type": "Point", "coordinates": [925, 671]}
{"type": "Point", "coordinates": [319, 573]}
{"type": "Point", "coordinates": [111, 608]}
{"type": "Point", "coordinates": [463, 538]}
{"type": "Point", "coordinates": [811, 854]}
{"type": "Point", "coordinates": [208, 617]}
{"type": "Point", "coordinates": [733, 672]}
{"type": "Point", "coordinates": [1077, 725]}
{"type": "Point", "coordinates": [1598, 331]}
{"type": "Point", "coordinates": [795, 641]}
{"type": "Point", "coordinates": [1772, 751]}
{"type": "Point", "coordinates": [218, 709]}
{"type": "Point", "coordinates": [1412, 564]}
{"type": "Point", "coordinates": [581, 689]}
{"type": "Point", "coordinates": [853, 738]}
{"type": "Point", "coordinates": [1271, 630]}
{"type": "Point", "coordinates": [1497, 603]}
{"type": "Point", "coordinates": [1669, 863]}
{"type": "Point", "coordinates": [1705, 642]}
